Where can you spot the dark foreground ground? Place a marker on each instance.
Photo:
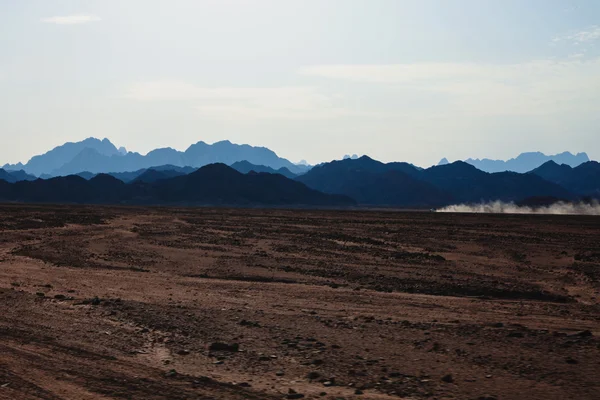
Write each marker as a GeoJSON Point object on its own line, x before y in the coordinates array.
{"type": "Point", "coordinates": [103, 303]}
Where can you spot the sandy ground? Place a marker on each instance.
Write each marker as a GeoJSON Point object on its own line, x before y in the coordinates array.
{"type": "Point", "coordinates": [135, 303]}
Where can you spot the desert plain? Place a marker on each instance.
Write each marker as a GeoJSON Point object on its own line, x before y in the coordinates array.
{"type": "Point", "coordinates": [222, 303]}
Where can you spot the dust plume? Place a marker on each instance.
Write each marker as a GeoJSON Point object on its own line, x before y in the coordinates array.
{"type": "Point", "coordinates": [498, 207]}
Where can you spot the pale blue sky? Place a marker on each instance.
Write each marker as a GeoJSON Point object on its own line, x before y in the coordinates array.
{"type": "Point", "coordinates": [412, 80]}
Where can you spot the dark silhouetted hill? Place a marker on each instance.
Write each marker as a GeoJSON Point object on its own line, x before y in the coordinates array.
{"type": "Point", "coordinates": [371, 182]}
{"type": "Point", "coordinates": [170, 171]}
{"type": "Point", "coordinates": [220, 184]}
{"type": "Point", "coordinates": [215, 184]}
{"type": "Point", "coordinates": [583, 179]}
{"type": "Point", "coordinates": [244, 167]}
{"type": "Point", "coordinates": [525, 162]}
{"type": "Point", "coordinates": [152, 175]}
{"type": "Point", "coordinates": [467, 184]}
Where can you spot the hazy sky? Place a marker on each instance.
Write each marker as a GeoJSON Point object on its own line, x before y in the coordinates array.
{"type": "Point", "coordinates": [410, 80]}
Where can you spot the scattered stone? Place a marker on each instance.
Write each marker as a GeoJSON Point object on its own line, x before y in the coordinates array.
{"type": "Point", "coordinates": [358, 392]}
{"type": "Point", "coordinates": [171, 373]}
{"type": "Point", "coordinates": [317, 362]}
{"type": "Point", "coordinates": [249, 323]}
{"type": "Point", "coordinates": [244, 384]}
{"type": "Point", "coordinates": [570, 360]}
{"type": "Point", "coordinates": [327, 383]}
{"type": "Point", "coordinates": [448, 378]}
{"type": "Point", "coordinates": [40, 294]}
{"type": "Point", "coordinates": [295, 396]}
{"type": "Point", "coordinates": [323, 394]}
{"type": "Point", "coordinates": [516, 335]}
{"type": "Point", "coordinates": [218, 346]}
{"type": "Point", "coordinates": [498, 325]}
{"type": "Point", "coordinates": [60, 297]}
{"type": "Point", "coordinates": [313, 375]}
{"type": "Point", "coordinates": [219, 362]}
{"type": "Point", "coordinates": [183, 352]}
{"type": "Point", "coordinates": [279, 373]}
{"type": "Point", "coordinates": [585, 333]}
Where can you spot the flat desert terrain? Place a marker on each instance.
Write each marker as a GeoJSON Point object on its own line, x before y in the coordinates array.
{"type": "Point", "coordinates": [158, 303]}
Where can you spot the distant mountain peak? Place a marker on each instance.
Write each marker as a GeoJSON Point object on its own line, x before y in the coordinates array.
{"type": "Point", "coordinates": [443, 161]}
{"type": "Point", "coordinates": [528, 161]}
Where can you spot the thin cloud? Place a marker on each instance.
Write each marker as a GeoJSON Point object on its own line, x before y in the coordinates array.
{"type": "Point", "coordinates": [71, 19]}
{"type": "Point", "coordinates": [242, 102]}
{"type": "Point", "coordinates": [588, 35]}
{"type": "Point", "coordinates": [542, 87]}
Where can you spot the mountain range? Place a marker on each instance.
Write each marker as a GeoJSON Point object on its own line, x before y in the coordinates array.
{"type": "Point", "coordinates": [214, 184]}
{"type": "Point", "coordinates": [583, 179]}
{"type": "Point", "coordinates": [101, 156]}
{"type": "Point", "coordinates": [525, 162]}
{"type": "Point", "coordinates": [15, 176]}
{"type": "Point", "coordinates": [244, 167]}
{"type": "Point", "coordinates": [96, 171]}
{"type": "Point", "coordinates": [371, 182]}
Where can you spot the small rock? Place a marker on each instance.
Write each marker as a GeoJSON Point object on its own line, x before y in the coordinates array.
{"type": "Point", "coordinates": [516, 335]}
{"type": "Point", "coordinates": [183, 352]}
{"type": "Point", "coordinates": [171, 373]}
{"type": "Point", "coordinates": [295, 396]}
{"type": "Point", "coordinates": [585, 333]}
{"type": "Point", "coordinates": [279, 373]}
{"type": "Point", "coordinates": [448, 378]}
{"type": "Point", "coordinates": [327, 383]}
{"type": "Point", "coordinates": [358, 392]}
{"type": "Point", "coordinates": [570, 360]}
{"type": "Point", "coordinates": [60, 296]}
{"type": "Point", "coordinates": [487, 397]}
{"type": "Point", "coordinates": [313, 375]}
{"type": "Point", "coordinates": [218, 362]}
{"type": "Point", "coordinates": [40, 294]}
{"type": "Point", "coordinates": [218, 346]}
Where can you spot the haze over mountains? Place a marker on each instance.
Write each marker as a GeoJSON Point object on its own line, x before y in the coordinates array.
{"type": "Point", "coordinates": [101, 156]}
{"type": "Point", "coordinates": [96, 171]}
{"type": "Point", "coordinates": [525, 162]}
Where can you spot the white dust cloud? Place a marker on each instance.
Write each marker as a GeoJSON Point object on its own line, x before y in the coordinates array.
{"type": "Point", "coordinates": [499, 207]}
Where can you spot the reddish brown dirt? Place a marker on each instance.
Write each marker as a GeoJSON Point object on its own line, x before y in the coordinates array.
{"type": "Point", "coordinates": [99, 303]}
